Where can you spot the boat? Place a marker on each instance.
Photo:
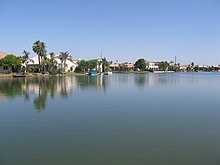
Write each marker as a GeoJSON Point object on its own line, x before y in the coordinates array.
{"type": "Point", "coordinates": [93, 73]}
{"type": "Point", "coordinates": [19, 75]}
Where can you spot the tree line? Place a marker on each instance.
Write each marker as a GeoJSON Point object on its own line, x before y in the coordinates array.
{"type": "Point", "coordinates": [89, 65]}
{"type": "Point", "coordinates": [12, 63]}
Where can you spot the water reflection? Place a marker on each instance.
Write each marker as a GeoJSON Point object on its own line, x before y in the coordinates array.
{"type": "Point", "coordinates": [38, 90]}
{"type": "Point", "coordinates": [96, 82]}
{"type": "Point", "coordinates": [128, 118]}
{"type": "Point", "coordinates": [47, 87]}
{"type": "Point", "coordinates": [164, 79]}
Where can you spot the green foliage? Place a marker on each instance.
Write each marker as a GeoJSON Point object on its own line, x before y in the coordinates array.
{"type": "Point", "coordinates": [164, 66]}
{"type": "Point", "coordinates": [140, 64]}
{"type": "Point", "coordinates": [86, 65]}
{"type": "Point", "coordinates": [11, 61]}
{"type": "Point", "coordinates": [40, 49]}
{"type": "Point", "coordinates": [82, 65]}
{"type": "Point", "coordinates": [191, 67]}
{"type": "Point", "coordinates": [11, 87]}
{"type": "Point", "coordinates": [25, 60]}
{"type": "Point", "coordinates": [91, 64]}
{"type": "Point", "coordinates": [51, 64]}
{"type": "Point", "coordinates": [63, 57]}
{"type": "Point", "coordinates": [106, 65]}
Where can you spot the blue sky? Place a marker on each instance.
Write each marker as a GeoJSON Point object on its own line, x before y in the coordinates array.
{"type": "Point", "coordinates": [124, 30]}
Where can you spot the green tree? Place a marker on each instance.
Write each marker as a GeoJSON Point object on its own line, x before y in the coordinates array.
{"type": "Point", "coordinates": [86, 65]}
{"type": "Point", "coordinates": [164, 65]}
{"type": "Point", "coordinates": [25, 59]}
{"type": "Point", "coordinates": [140, 64]}
{"type": "Point", "coordinates": [91, 64]}
{"type": "Point", "coordinates": [105, 65]}
{"type": "Point", "coordinates": [63, 57]}
{"type": "Point", "coordinates": [11, 62]}
{"type": "Point", "coordinates": [191, 67]}
{"type": "Point", "coordinates": [51, 63]}
{"type": "Point", "coordinates": [82, 66]}
{"type": "Point", "coordinates": [40, 49]}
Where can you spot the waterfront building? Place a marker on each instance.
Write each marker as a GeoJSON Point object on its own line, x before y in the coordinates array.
{"type": "Point", "coordinates": [70, 64]}
{"type": "Point", "coordinates": [183, 68]}
{"type": "Point", "coordinates": [152, 65]}
{"type": "Point", "coordinates": [114, 66]}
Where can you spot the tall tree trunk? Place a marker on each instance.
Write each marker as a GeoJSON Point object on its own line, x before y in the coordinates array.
{"type": "Point", "coordinates": [64, 65]}
{"type": "Point", "coordinates": [39, 68]}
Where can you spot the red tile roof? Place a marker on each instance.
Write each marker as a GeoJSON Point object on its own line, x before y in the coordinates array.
{"type": "Point", "coordinates": [3, 54]}
{"type": "Point", "coordinates": [130, 65]}
{"type": "Point", "coordinates": [114, 65]}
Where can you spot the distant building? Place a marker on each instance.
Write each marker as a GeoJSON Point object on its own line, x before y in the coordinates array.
{"type": "Point", "coordinates": [99, 66]}
{"type": "Point", "coordinates": [130, 66]}
{"type": "Point", "coordinates": [153, 65]}
{"type": "Point", "coordinates": [183, 68]}
{"type": "Point", "coordinates": [122, 67]}
{"type": "Point", "coordinates": [3, 54]}
{"type": "Point", "coordinates": [203, 67]}
{"type": "Point", "coordinates": [114, 66]}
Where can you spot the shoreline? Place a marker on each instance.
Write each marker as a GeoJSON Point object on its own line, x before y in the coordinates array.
{"type": "Point", "coordinates": [3, 75]}
{"type": "Point", "coordinates": [10, 75]}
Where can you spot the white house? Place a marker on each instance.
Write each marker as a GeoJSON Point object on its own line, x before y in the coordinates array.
{"type": "Point", "coordinates": [70, 64]}
{"type": "Point", "coordinates": [183, 68]}
{"type": "Point", "coordinates": [153, 65]}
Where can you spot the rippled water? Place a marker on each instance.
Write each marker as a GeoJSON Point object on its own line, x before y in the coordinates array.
{"type": "Point", "coordinates": [120, 119]}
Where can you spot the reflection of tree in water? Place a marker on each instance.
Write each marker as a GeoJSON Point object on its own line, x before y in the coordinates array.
{"type": "Point", "coordinates": [45, 87]}
{"type": "Point", "coordinates": [51, 86]}
{"type": "Point", "coordinates": [40, 103]}
{"type": "Point", "coordinates": [140, 80]}
{"type": "Point", "coordinates": [12, 87]}
{"type": "Point", "coordinates": [97, 82]}
{"type": "Point", "coordinates": [63, 89]}
{"type": "Point", "coordinates": [41, 87]}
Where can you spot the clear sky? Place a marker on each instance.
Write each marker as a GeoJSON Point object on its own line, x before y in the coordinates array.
{"type": "Point", "coordinates": [124, 30]}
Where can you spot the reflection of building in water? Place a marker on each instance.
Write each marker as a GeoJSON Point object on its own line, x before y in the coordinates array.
{"type": "Point", "coordinates": [100, 80]}
{"type": "Point", "coordinates": [152, 79]}
{"type": "Point", "coordinates": [54, 86]}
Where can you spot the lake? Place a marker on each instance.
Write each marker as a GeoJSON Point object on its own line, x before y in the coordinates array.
{"type": "Point", "coordinates": [119, 119]}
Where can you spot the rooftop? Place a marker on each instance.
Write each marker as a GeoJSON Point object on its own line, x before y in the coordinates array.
{"type": "Point", "coordinates": [3, 54]}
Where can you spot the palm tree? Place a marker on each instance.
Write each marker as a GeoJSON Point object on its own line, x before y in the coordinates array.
{"type": "Point", "coordinates": [53, 59]}
{"type": "Point", "coordinates": [52, 63]}
{"type": "Point", "coordinates": [63, 57]}
{"type": "Point", "coordinates": [40, 49]}
{"type": "Point", "coordinates": [105, 64]}
{"type": "Point", "coordinates": [25, 59]}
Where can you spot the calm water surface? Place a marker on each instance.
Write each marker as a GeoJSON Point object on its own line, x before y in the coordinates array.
{"type": "Point", "coordinates": [121, 119]}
